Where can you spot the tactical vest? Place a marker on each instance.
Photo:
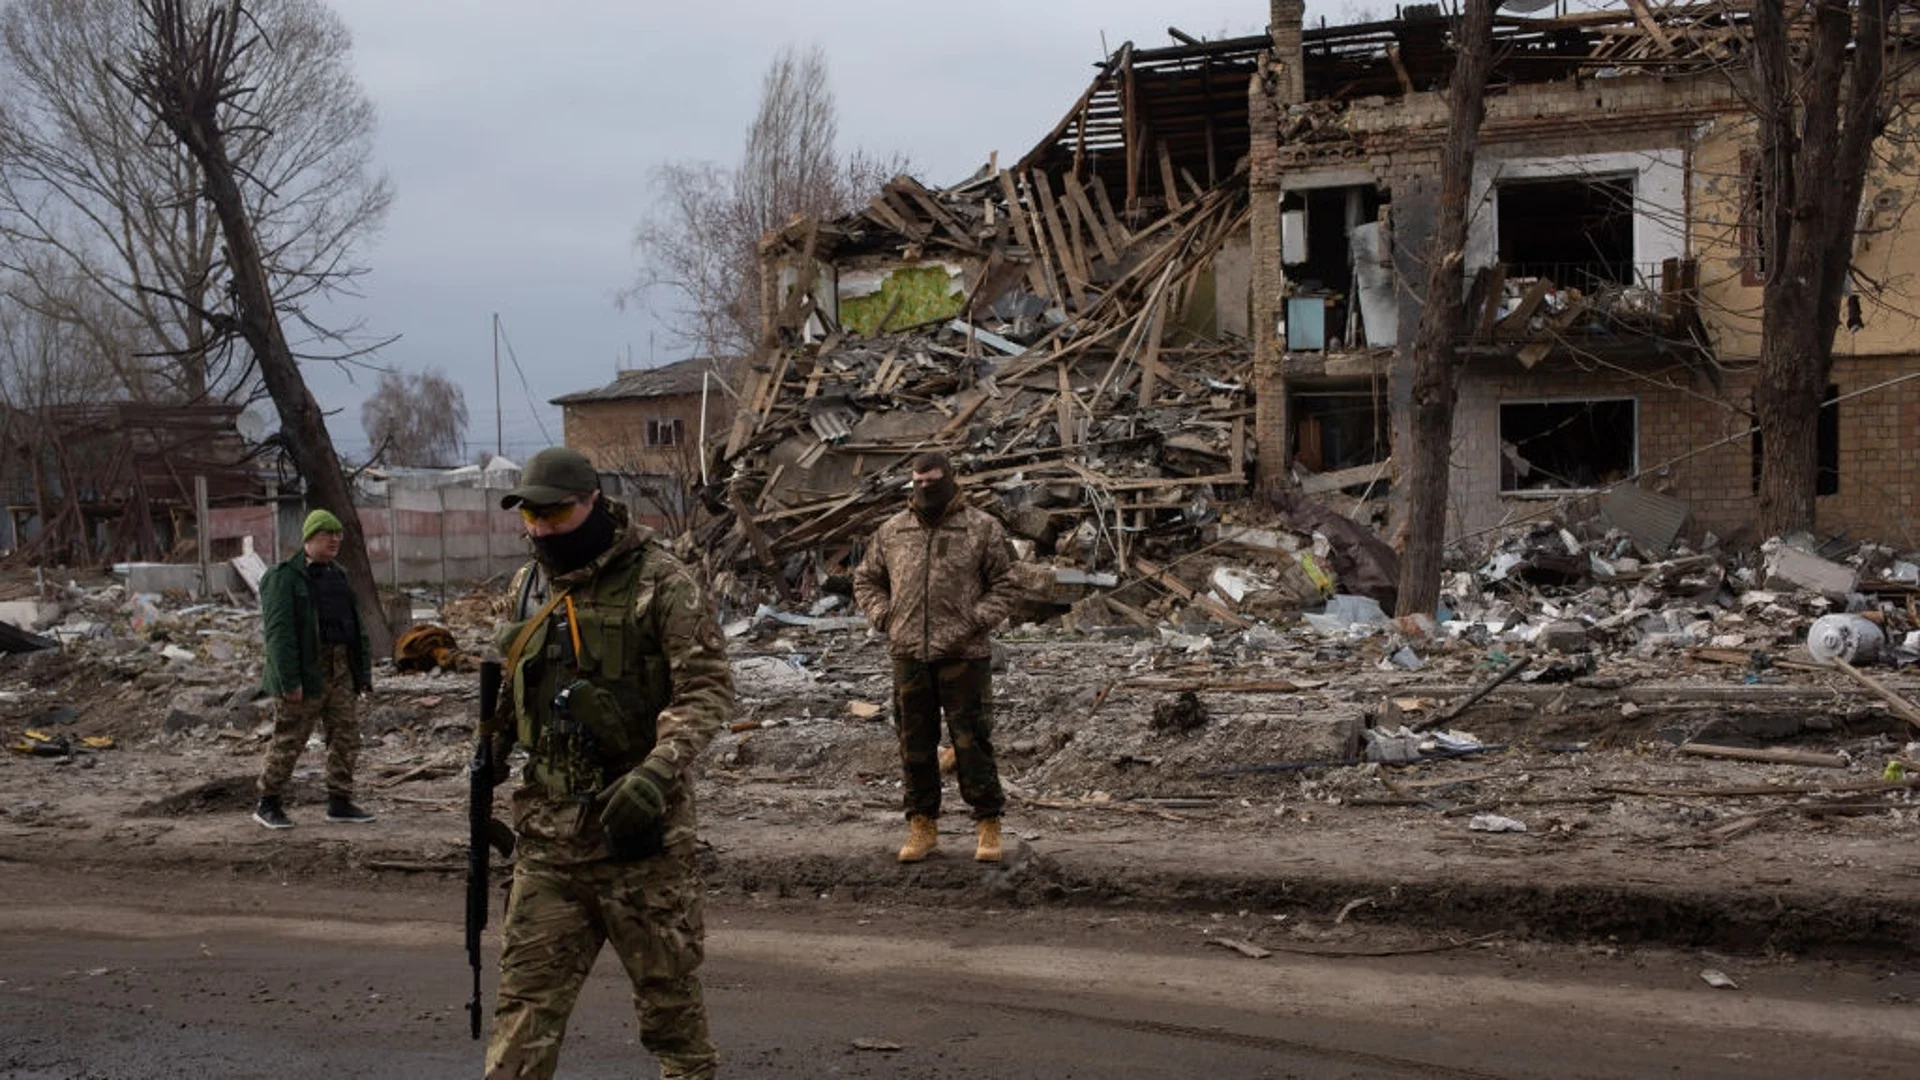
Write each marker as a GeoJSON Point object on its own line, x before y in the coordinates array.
{"type": "Point", "coordinates": [616, 678]}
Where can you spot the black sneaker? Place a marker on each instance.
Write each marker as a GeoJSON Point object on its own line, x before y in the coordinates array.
{"type": "Point", "coordinates": [268, 813]}
{"type": "Point", "coordinates": [340, 809]}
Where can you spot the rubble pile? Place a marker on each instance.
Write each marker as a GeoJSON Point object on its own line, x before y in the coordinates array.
{"type": "Point", "coordinates": [1046, 358]}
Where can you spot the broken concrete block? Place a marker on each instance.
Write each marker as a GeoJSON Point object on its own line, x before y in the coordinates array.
{"type": "Point", "coordinates": [1791, 568]}
{"type": "Point", "coordinates": [1565, 636]}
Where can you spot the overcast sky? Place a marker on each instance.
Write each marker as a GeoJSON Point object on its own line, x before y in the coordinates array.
{"type": "Point", "coordinates": [520, 140]}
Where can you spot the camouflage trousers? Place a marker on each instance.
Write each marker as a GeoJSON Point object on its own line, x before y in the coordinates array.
{"type": "Point", "coordinates": [338, 714]}
{"type": "Point", "coordinates": [557, 918]}
{"type": "Point", "coordinates": [962, 691]}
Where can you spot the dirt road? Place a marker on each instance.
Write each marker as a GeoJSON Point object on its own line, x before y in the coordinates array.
{"type": "Point", "coordinates": [158, 975]}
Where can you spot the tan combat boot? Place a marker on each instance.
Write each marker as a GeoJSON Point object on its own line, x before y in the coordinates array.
{"type": "Point", "coordinates": [923, 835]}
{"type": "Point", "coordinates": [988, 849]}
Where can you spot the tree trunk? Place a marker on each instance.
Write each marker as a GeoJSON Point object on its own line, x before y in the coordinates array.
{"type": "Point", "coordinates": [190, 110]}
{"type": "Point", "coordinates": [1818, 121]}
{"type": "Point", "coordinates": [1442, 318]}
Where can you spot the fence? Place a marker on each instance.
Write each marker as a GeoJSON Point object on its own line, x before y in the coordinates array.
{"type": "Point", "coordinates": [437, 536]}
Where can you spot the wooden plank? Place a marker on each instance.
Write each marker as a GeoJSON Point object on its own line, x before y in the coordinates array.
{"type": "Point", "coordinates": [1169, 184]}
{"type": "Point", "coordinates": [1531, 299]}
{"type": "Point", "coordinates": [1901, 706]}
{"type": "Point", "coordinates": [1647, 22]}
{"type": "Point", "coordinates": [1058, 287]}
{"type": "Point", "coordinates": [1399, 69]}
{"type": "Point", "coordinates": [1768, 756]}
{"type": "Point", "coordinates": [1078, 196]}
{"type": "Point", "coordinates": [1150, 369]}
{"type": "Point", "coordinates": [766, 489]}
{"type": "Point", "coordinates": [960, 419]}
{"type": "Point", "coordinates": [761, 548]}
{"type": "Point", "coordinates": [1345, 478]}
{"type": "Point", "coordinates": [1117, 231]}
{"type": "Point", "coordinates": [1036, 273]}
{"type": "Point", "coordinates": [1063, 403]}
{"type": "Point", "coordinates": [1076, 274]}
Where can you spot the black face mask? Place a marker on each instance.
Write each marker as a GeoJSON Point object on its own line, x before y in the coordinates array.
{"type": "Point", "coordinates": [566, 552]}
{"type": "Point", "coordinates": [929, 503]}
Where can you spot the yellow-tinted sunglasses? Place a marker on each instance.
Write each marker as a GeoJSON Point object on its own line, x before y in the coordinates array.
{"type": "Point", "coordinates": [550, 514]}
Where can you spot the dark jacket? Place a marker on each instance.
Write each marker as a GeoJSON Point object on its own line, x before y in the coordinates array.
{"type": "Point", "coordinates": [291, 626]}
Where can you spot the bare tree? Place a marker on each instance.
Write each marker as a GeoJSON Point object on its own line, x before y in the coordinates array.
{"type": "Point", "coordinates": [702, 243]}
{"type": "Point", "coordinates": [187, 74]}
{"type": "Point", "coordinates": [46, 361]}
{"type": "Point", "coordinates": [87, 196]}
{"type": "Point", "coordinates": [1821, 98]}
{"type": "Point", "coordinates": [416, 419]}
{"type": "Point", "coordinates": [1443, 318]}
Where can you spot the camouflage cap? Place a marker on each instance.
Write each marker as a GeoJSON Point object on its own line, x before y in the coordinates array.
{"type": "Point", "coordinates": [553, 475]}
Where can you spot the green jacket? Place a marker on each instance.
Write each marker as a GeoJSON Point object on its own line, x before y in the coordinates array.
{"type": "Point", "coordinates": [291, 626]}
{"type": "Point", "coordinates": [648, 636]}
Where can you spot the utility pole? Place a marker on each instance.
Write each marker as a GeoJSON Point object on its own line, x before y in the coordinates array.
{"type": "Point", "coordinates": [499, 428]}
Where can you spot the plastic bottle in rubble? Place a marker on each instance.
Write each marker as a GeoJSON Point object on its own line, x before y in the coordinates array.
{"type": "Point", "coordinates": [1847, 637]}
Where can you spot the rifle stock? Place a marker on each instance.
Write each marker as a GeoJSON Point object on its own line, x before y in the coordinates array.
{"type": "Point", "coordinates": [479, 821]}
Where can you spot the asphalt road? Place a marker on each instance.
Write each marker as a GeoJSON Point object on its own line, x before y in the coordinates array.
{"type": "Point", "coordinates": [205, 979]}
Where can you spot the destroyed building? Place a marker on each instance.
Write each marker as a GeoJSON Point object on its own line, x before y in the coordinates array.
{"type": "Point", "coordinates": [1615, 269]}
{"type": "Point", "coordinates": [1204, 280]}
{"type": "Point", "coordinates": [119, 479]}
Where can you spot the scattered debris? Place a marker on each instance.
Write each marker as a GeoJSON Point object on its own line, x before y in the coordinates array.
{"type": "Point", "coordinates": [1719, 980]}
{"type": "Point", "coordinates": [1245, 948]}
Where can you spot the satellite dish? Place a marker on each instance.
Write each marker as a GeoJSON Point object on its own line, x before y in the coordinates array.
{"type": "Point", "coordinates": [251, 425]}
{"type": "Point", "coordinates": [1527, 7]}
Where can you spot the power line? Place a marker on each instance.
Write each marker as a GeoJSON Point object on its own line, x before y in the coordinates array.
{"type": "Point", "coordinates": [524, 388]}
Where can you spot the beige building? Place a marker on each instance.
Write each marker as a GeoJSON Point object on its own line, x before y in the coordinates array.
{"type": "Point", "coordinates": [1612, 244]}
{"type": "Point", "coordinates": [647, 426]}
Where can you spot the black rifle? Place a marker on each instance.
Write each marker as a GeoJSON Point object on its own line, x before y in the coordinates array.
{"type": "Point", "coordinates": [480, 827]}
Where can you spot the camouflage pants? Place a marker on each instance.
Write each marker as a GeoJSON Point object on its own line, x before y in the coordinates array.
{"type": "Point", "coordinates": [336, 711]}
{"type": "Point", "coordinates": [557, 919]}
{"type": "Point", "coordinates": [962, 690]}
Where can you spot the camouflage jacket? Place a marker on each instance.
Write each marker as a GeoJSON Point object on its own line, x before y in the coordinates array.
{"type": "Point", "coordinates": [641, 627]}
{"type": "Point", "coordinates": [936, 591]}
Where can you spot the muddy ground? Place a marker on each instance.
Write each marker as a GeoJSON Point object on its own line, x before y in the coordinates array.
{"type": "Point", "coordinates": [1121, 794]}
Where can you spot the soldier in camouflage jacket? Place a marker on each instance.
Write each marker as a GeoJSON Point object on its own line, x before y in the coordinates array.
{"type": "Point", "coordinates": [617, 680]}
{"type": "Point", "coordinates": [936, 579]}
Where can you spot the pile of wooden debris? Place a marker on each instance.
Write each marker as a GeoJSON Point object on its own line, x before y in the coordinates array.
{"type": "Point", "coordinates": [1016, 324]}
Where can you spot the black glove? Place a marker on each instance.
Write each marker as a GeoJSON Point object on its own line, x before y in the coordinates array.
{"type": "Point", "coordinates": [499, 754]}
{"type": "Point", "coordinates": [635, 810]}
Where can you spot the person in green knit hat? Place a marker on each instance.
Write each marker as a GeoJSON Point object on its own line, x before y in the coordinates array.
{"type": "Point", "coordinates": [317, 664]}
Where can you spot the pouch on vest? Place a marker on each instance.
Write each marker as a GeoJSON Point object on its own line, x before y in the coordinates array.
{"type": "Point", "coordinates": [598, 711]}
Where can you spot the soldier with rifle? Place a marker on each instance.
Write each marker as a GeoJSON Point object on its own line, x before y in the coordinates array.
{"type": "Point", "coordinates": [614, 679]}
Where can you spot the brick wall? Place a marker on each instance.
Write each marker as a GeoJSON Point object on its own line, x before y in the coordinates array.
{"type": "Point", "coordinates": [1692, 446]}
{"type": "Point", "coordinates": [613, 434]}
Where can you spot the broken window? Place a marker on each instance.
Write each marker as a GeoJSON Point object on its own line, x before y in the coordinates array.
{"type": "Point", "coordinates": [1316, 229]}
{"type": "Point", "coordinates": [1567, 445]}
{"type": "Point", "coordinates": [1574, 231]}
{"type": "Point", "coordinates": [1341, 426]}
{"type": "Point", "coordinates": [1826, 446]}
{"type": "Point", "coordinates": [665, 433]}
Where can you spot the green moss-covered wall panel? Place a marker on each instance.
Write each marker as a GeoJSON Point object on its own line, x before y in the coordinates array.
{"type": "Point", "coordinates": [922, 294]}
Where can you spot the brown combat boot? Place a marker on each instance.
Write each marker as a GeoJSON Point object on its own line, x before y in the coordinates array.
{"type": "Point", "coordinates": [988, 849]}
{"type": "Point", "coordinates": [923, 835]}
